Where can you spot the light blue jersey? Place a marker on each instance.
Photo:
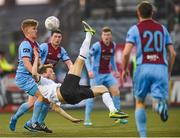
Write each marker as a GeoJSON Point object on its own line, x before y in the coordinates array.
{"type": "Point", "coordinates": [151, 40]}
{"type": "Point", "coordinates": [99, 59]}
{"type": "Point", "coordinates": [23, 77]}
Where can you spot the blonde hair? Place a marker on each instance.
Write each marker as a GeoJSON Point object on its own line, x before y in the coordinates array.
{"type": "Point", "coordinates": [28, 22]}
{"type": "Point", "coordinates": [106, 29]}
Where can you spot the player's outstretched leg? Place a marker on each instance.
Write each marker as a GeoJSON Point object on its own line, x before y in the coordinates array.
{"type": "Point", "coordinates": [21, 110]}
{"type": "Point", "coordinates": [102, 90]}
{"type": "Point", "coordinates": [76, 69]}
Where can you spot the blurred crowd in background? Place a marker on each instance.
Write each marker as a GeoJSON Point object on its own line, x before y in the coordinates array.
{"type": "Point", "coordinates": [118, 14]}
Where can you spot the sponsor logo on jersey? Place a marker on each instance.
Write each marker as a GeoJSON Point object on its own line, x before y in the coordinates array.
{"type": "Point", "coordinates": [152, 57]}
{"type": "Point", "coordinates": [106, 57]}
{"type": "Point", "coordinates": [26, 50]}
{"type": "Point", "coordinates": [111, 50]}
{"type": "Point", "coordinates": [59, 55]}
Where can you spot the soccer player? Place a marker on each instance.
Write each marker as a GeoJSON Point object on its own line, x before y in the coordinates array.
{"type": "Point", "coordinates": [46, 71]}
{"type": "Point", "coordinates": [51, 52]}
{"type": "Point", "coordinates": [101, 55]}
{"type": "Point", "coordinates": [153, 69]}
{"type": "Point", "coordinates": [70, 91]}
{"type": "Point", "coordinates": [24, 78]}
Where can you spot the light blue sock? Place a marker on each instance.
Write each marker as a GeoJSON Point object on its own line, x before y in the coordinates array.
{"type": "Point", "coordinates": [159, 106]}
{"type": "Point", "coordinates": [157, 109]}
{"type": "Point", "coordinates": [43, 113]}
{"type": "Point", "coordinates": [89, 108]}
{"type": "Point", "coordinates": [140, 116]}
{"type": "Point", "coordinates": [21, 110]}
{"type": "Point", "coordinates": [116, 101]}
{"type": "Point", "coordinates": [29, 122]}
{"type": "Point", "coordinates": [36, 111]}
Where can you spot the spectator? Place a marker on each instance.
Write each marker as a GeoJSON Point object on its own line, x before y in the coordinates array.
{"type": "Point", "coordinates": [174, 18]}
{"type": "Point", "coordinates": [4, 65]}
{"type": "Point", "coordinates": [174, 28]}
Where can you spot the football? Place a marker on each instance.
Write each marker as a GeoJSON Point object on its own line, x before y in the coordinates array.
{"type": "Point", "coordinates": [52, 23]}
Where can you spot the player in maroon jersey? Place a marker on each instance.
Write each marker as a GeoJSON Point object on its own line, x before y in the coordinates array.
{"type": "Point", "coordinates": [154, 59]}
{"type": "Point", "coordinates": [101, 56]}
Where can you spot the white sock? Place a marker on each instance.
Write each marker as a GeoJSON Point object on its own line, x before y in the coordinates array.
{"type": "Point", "coordinates": [108, 102]}
{"type": "Point", "coordinates": [85, 46]}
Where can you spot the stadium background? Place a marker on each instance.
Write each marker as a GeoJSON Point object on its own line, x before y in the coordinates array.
{"type": "Point", "coordinates": [117, 14]}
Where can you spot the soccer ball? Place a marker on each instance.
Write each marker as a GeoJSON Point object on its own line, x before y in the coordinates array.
{"type": "Point", "coordinates": [52, 23]}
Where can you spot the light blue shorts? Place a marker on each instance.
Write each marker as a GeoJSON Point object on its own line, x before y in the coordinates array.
{"type": "Point", "coordinates": [103, 79]}
{"type": "Point", "coordinates": [151, 79]}
{"type": "Point", "coordinates": [26, 83]}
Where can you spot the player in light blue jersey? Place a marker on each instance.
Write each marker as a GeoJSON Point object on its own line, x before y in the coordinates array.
{"type": "Point", "coordinates": [153, 69]}
{"type": "Point", "coordinates": [101, 56]}
{"type": "Point", "coordinates": [51, 53]}
{"type": "Point", "coordinates": [23, 77]}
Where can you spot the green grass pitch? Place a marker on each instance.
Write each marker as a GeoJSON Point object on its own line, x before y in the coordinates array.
{"type": "Point", "coordinates": [103, 126]}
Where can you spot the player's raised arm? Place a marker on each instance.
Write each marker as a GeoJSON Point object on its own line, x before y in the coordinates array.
{"type": "Point", "coordinates": [35, 65]}
{"type": "Point", "coordinates": [59, 110]}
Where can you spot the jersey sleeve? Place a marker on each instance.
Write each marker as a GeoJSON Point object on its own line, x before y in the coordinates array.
{"type": "Point", "coordinates": [25, 49]}
{"type": "Point", "coordinates": [43, 52]}
{"type": "Point", "coordinates": [93, 50]}
{"type": "Point", "coordinates": [168, 40]}
{"type": "Point", "coordinates": [88, 63]}
{"type": "Point", "coordinates": [64, 54]}
{"type": "Point", "coordinates": [131, 38]}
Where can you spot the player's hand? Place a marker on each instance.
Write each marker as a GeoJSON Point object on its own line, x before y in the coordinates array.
{"type": "Point", "coordinates": [125, 73]}
{"type": "Point", "coordinates": [117, 74]}
{"type": "Point", "coordinates": [91, 74]}
{"type": "Point", "coordinates": [169, 75]}
{"type": "Point", "coordinates": [75, 120]}
{"type": "Point", "coordinates": [36, 53]}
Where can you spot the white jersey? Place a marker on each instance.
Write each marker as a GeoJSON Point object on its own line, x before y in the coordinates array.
{"type": "Point", "coordinates": [48, 89]}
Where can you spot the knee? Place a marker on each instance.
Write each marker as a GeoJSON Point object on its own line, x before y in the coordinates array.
{"type": "Point", "coordinates": [140, 104]}
{"type": "Point", "coordinates": [99, 90]}
{"type": "Point", "coordinates": [31, 104]}
{"type": "Point", "coordinates": [104, 89]}
{"type": "Point", "coordinates": [114, 91]}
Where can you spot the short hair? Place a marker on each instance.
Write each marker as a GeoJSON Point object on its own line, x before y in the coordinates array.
{"type": "Point", "coordinates": [145, 9]}
{"type": "Point", "coordinates": [29, 22]}
{"type": "Point", "coordinates": [43, 68]}
{"type": "Point", "coordinates": [106, 29]}
{"type": "Point", "coordinates": [56, 31]}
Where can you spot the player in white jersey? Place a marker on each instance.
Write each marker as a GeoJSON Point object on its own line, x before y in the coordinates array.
{"type": "Point", "coordinates": [47, 86]}
{"type": "Point", "coordinates": [70, 91]}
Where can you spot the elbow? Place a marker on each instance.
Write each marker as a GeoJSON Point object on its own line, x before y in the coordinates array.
{"type": "Point", "coordinates": [174, 54]}
{"type": "Point", "coordinates": [33, 75]}
{"type": "Point", "coordinates": [125, 56]}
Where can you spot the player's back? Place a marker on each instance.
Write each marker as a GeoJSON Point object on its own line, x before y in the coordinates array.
{"type": "Point", "coordinates": [152, 40]}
